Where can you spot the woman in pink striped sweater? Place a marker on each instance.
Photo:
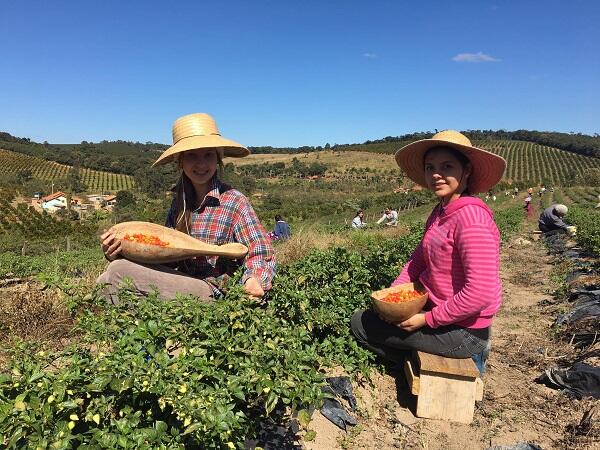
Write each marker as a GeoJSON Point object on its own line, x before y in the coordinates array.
{"type": "Point", "coordinates": [457, 261]}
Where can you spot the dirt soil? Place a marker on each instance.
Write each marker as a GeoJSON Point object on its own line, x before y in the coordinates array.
{"type": "Point", "coordinates": [514, 409]}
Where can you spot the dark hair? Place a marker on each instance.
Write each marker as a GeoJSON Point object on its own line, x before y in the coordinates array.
{"type": "Point", "coordinates": [460, 156]}
{"type": "Point", "coordinates": [358, 213]}
{"type": "Point", "coordinates": [278, 218]}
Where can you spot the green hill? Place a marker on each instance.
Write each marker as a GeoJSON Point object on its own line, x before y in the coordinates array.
{"type": "Point", "coordinates": [533, 156]}
{"type": "Point", "coordinates": [527, 163]}
{"type": "Point", "coordinates": [14, 163]}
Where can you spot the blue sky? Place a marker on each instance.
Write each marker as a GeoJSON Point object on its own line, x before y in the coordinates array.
{"type": "Point", "coordinates": [290, 73]}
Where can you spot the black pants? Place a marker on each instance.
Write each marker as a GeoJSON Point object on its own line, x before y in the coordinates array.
{"type": "Point", "coordinates": [552, 232]}
{"type": "Point", "coordinates": [392, 343]}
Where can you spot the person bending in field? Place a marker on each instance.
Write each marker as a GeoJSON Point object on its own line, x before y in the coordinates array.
{"type": "Point", "coordinates": [551, 220]}
{"type": "Point", "coordinates": [282, 231]}
{"type": "Point", "coordinates": [390, 217]}
{"type": "Point", "coordinates": [206, 209]}
{"type": "Point", "coordinates": [457, 260]}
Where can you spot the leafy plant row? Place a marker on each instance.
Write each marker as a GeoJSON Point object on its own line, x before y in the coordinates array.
{"type": "Point", "coordinates": [13, 163]}
{"type": "Point", "coordinates": [184, 374]}
{"type": "Point", "coordinates": [154, 374]}
{"type": "Point", "coordinates": [587, 222]}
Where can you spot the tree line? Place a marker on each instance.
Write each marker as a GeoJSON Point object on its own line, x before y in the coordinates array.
{"type": "Point", "coordinates": [132, 157]}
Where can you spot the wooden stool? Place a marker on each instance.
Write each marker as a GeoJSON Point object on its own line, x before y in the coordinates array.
{"type": "Point", "coordinates": [446, 388]}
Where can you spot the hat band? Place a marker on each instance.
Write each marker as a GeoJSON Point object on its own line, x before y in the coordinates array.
{"type": "Point", "coordinates": [193, 135]}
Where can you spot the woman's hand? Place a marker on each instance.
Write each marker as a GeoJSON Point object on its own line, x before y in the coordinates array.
{"type": "Point", "coordinates": [414, 323]}
{"type": "Point", "coordinates": [111, 246]}
{"type": "Point", "coordinates": [253, 287]}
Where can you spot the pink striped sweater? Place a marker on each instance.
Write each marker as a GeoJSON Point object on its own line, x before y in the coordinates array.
{"type": "Point", "coordinates": [457, 261]}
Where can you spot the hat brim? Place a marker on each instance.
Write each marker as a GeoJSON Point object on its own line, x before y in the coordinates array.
{"type": "Point", "coordinates": [487, 167]}
{"type": "Point", "coordinates": [225, 146]}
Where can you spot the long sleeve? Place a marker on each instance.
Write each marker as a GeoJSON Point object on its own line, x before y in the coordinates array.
{"type": "Point", "coordinates": [260, 260]}
{"type": "Point", "coordinates": [413, 268]}
{"type": "Point", "coordinates": [559, 223]}
{"type": "Point", "coordinates": [416, 263]}
{"type": "Point", "coordinates": [478, 247]}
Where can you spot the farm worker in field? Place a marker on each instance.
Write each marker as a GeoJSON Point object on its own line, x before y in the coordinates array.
{"type": "Point", "coordinates": [281, 231]}
{"type": "Point", "coordinates": [527, 206]}
{"type": "Point", "coordinates": [390, 217]}
{"type": "Point", "coordinates": [551, 219]}
{"type": "Point", "coordinates": [358, 221]}
{"type": "Point", "coordinates": [457, 260]}
{"type": "Point", "coordinates": [205, 208]}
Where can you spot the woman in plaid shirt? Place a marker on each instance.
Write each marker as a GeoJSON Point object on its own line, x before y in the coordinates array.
{"type": "Point", "coordinates": [207, 209]}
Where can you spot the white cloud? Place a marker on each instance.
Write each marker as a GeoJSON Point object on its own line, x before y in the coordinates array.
{"type": "Point", "coordinates": [474, 58]}
{"type": "Point", "coordinates": [370, 55]}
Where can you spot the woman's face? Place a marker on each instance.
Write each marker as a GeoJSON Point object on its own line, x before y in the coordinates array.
{"type": "Point", "coordinates": [200, 165]}
{"type": "Point", "coordinates": [445, 174]}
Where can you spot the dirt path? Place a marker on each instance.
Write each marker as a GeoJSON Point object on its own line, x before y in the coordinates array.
{"type": "Point", "coordinates": [514, 408]}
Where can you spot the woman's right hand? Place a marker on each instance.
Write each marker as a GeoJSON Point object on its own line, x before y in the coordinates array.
{"type": "Point", "coordinates": [111, 246]}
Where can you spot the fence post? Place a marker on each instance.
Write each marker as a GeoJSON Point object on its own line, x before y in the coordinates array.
{"type": "Point", "coordinates": [68, 243]}
{"type": "Point", "coordinates": [23, 248]}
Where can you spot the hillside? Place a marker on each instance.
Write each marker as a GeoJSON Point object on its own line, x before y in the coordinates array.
{"type": "Point", "coordinates": [13, 163]}
{"type": "Point", "coordinates": [129, 157]}
{"type": "Point", "coordinates": [527, 162]}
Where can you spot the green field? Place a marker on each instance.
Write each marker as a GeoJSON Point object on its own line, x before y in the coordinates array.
{"type": "Point", "coordinates": [527, 162]}
{"type": "Point", "coordinates": [13, 162]}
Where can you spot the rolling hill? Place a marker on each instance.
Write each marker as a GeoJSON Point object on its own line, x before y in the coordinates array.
{"type": "Point", "coordinates": [13, 162]}
{"type": "Point", "coordinates": [527, 162]}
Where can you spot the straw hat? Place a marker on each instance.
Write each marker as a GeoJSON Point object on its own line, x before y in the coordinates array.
{"type": "Point", "coordinates": [199, 130]}
{"type": "Point", "coordinates": [487, 167]}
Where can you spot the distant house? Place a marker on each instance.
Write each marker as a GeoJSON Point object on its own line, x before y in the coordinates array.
{"type": "Point", "coordinates": [54, 202]}
{"type": "Point", "coordinates": [76, 200]}
{"type": "Point", "coordinates": [110, 201]}
{"type": "Point", "coordinates": [95, 198]}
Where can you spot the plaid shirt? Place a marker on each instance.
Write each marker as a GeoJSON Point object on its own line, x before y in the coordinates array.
{"type": "Point", "coordinates": [225, 215]}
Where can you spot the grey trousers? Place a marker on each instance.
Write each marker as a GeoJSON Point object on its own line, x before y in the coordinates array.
{"type": "Point", "coordinates": [145, 278]}
{"type": "Point", "coordinates": [392, 343]}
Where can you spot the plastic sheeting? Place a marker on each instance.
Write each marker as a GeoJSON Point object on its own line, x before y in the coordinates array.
{"type": "Point", "coordinates": [581, 380]}
{"type": "Point", "coordinates": [332, 408]}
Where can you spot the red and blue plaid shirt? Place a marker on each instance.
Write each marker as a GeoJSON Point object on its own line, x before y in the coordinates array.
{"type": "Point", "coordinates": [225, 215]}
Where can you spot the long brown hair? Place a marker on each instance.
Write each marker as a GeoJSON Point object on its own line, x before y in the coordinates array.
{"type": "Point", "coordinates": [185, 196]}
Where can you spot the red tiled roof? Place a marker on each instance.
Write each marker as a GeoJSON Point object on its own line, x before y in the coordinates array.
{"type": "Point", "coordinates": [56, 195]}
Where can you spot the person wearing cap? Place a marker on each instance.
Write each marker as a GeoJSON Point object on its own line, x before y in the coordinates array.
{"type": "Point", "coordinates": [206, 209]}
{"type": "Point", "coordinates": [551, 219]}
{"type": "Point", "coordinates": [457, 260]}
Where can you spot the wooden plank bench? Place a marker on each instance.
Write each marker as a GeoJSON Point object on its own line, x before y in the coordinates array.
{"type": "Point", "coordinates": [446, 388]}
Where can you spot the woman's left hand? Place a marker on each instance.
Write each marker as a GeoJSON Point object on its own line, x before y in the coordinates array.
{"type": "Point", "coordinates": [414, 323]}
{"type": "Point", "coordinates": [253, 287]}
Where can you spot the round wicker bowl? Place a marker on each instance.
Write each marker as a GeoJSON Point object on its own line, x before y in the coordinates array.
{"type": "Point", "coordinates": [398, 312]}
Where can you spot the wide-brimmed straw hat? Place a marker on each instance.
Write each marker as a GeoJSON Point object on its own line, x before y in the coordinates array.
{"type": "Point", "coordinates": [487, 168]}
{"type": "Point", "coordinates": [199, 130]}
